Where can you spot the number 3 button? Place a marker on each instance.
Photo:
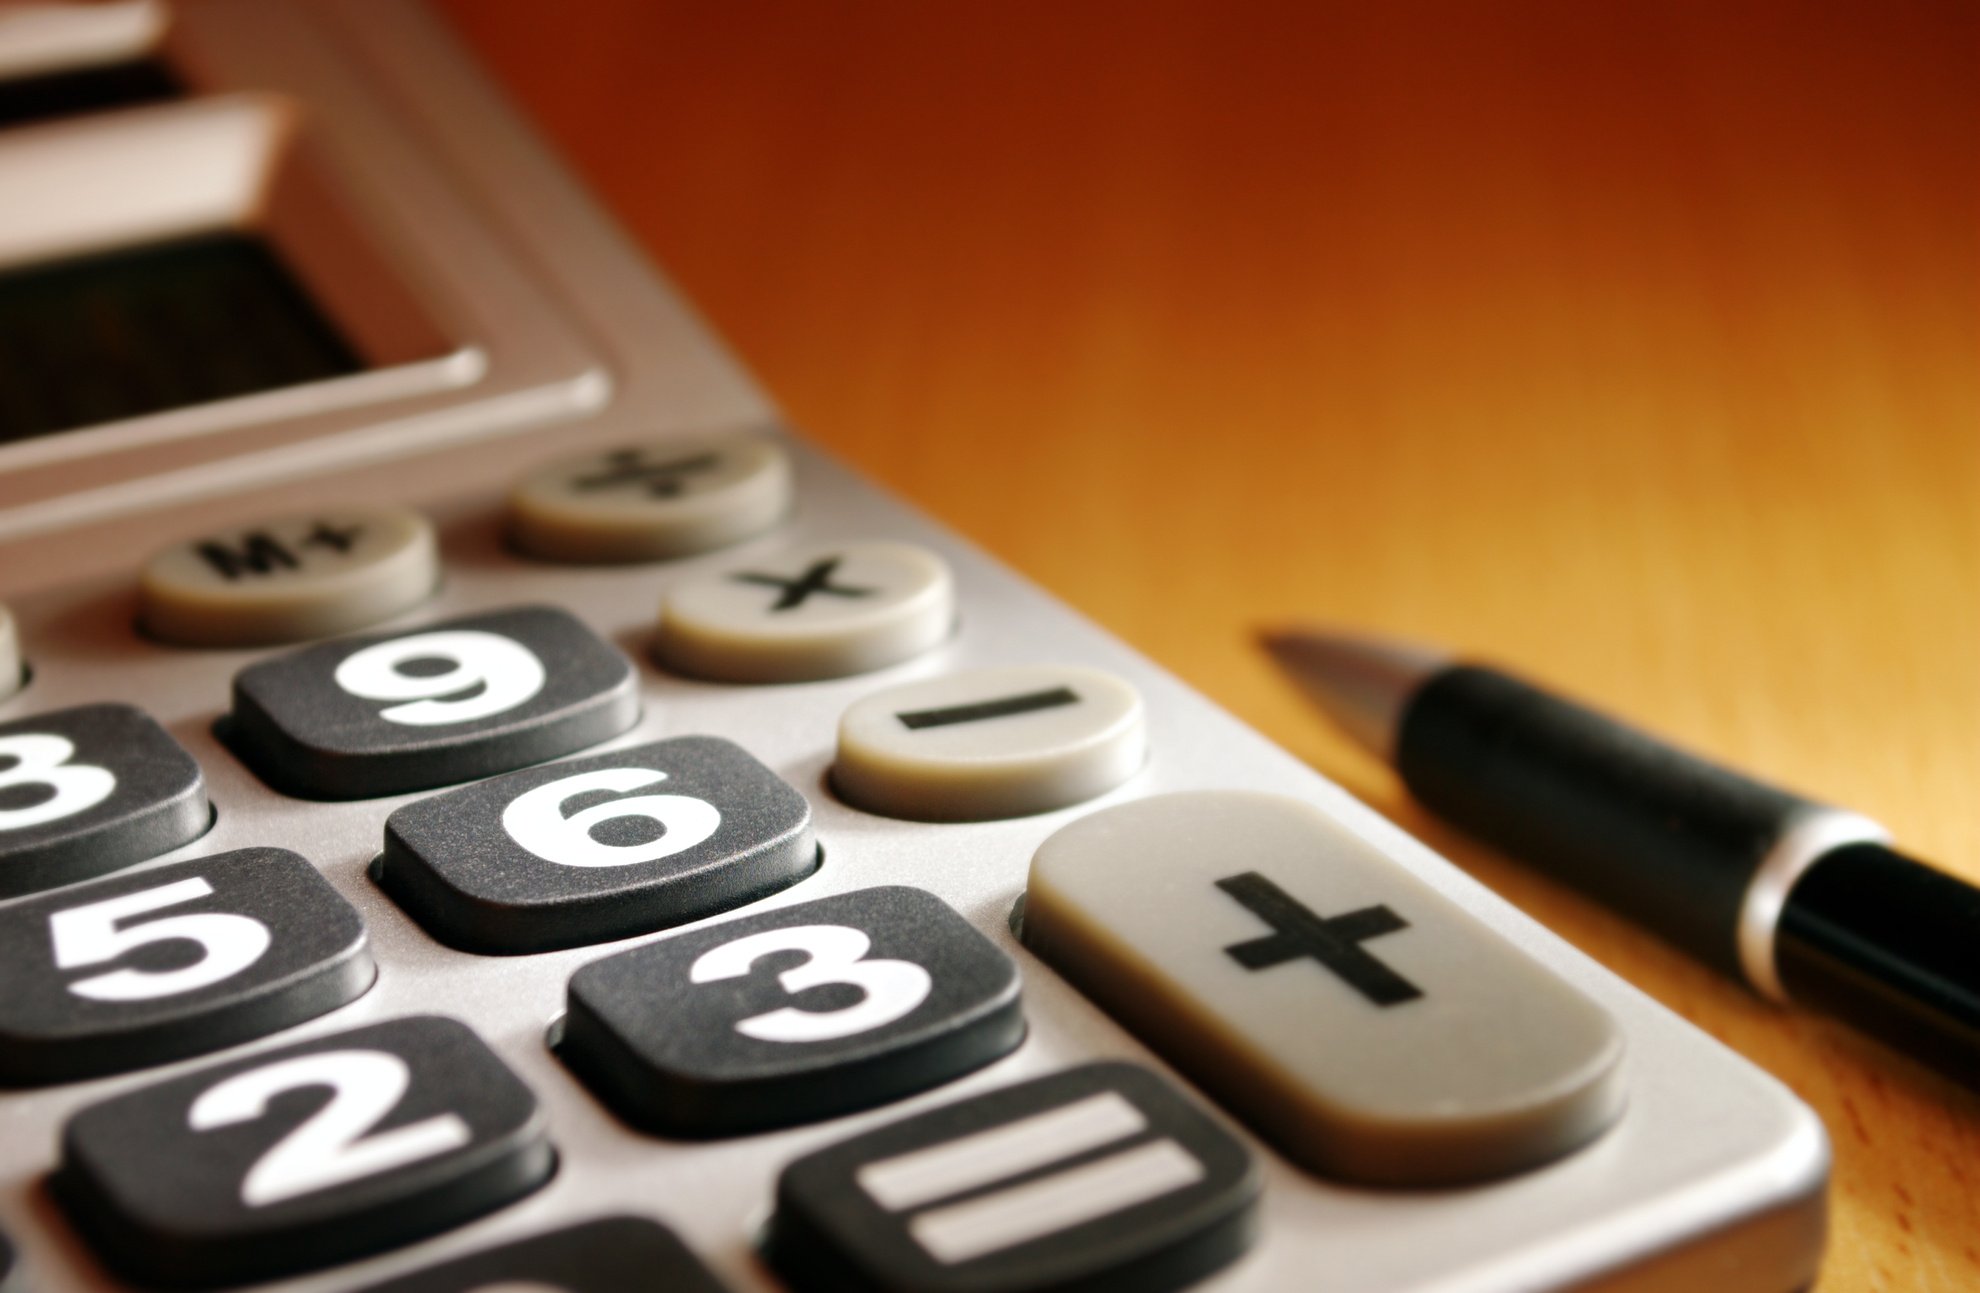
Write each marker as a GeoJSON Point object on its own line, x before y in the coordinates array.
{"type": "Point", "coordinates": [170, 962]}
{"type": "Point", "coordinates": [599, 848]}
{"type": "Point", "coordinates": [301, 1157]}
{"type": "Point", "coordinates": [458, 700]}
{"type": "Point", "coordinates": [806, 1012]}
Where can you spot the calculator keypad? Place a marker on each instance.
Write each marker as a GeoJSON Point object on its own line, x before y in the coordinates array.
{"type": "Point", "coordinates": [290, 578]}
{"type": "Point", "coordinates": [598, 848]}
{"type": "Point", "coordinates": [612, 1255]}
{"type": "Point", "coordinates": [88, 790]}
{"type": "Point", "coordinates": [300, 1157]}
{"type": "Point", "coordinates": [667, 498]}
{"type": "Point", "coordinates": [1102, 1176]}
{"type": "Point", "coordinates": [172, 961]}
{"type": "Point", "coordinates": [444, 703]}
{"type": "Point", "coordinates": [818, 612]}
{"type": "Point", "coordinates": [806, 1012]}
{"type": "Point", "coordinates": [990, 743]}
{"type": "Point", "coordinates": [1355, 1017]}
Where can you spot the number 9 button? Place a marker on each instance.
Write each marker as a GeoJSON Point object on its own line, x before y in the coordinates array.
{"type": "Point", "coordinates": [170, 962]}
{"type": "Point", "coordinates": [462, 699]}
{"type": "Point", "coordinates": [302, 1157]}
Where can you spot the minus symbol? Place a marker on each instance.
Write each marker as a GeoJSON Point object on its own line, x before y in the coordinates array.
{"type": "Point", "coordinates": [1002, 707]}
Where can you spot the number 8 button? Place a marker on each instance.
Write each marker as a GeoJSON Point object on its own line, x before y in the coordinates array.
{"type": "Point", "coordinates": [297, 1158]}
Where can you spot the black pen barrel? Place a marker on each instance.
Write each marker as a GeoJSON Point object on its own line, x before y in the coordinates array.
{"type": "Point", "coordinates": [1671, 840]}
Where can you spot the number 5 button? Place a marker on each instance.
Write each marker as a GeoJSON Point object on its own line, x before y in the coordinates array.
{"type": "Point", "coordinates": [301, 1157]}
{"type": "Point", "coordinates": [462, 699]}
{"type": "Point", "coordinates": [809, 1011]}
{"type": "Point", "coordinates": [1358, 1019]}
{"type": "Point", "coordinates": [596, 849]}
{"type": "Point", "coordinates": [173, 961]}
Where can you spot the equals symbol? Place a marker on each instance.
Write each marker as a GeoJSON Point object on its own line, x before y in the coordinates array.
{"type": "Point", "coordinates": [998, 1215]}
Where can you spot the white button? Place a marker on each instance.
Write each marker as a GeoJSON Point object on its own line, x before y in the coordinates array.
{"type": "Point", "coordinates": [990, 743]}
{"type": "Point", "coordinates": [10, 655]}
{"type": "Point", "coordinates": [293, 577]}
{"type": "Point", "coordinates": [663, 498]}
{"type": "Point", "coordinates": [820, 612]}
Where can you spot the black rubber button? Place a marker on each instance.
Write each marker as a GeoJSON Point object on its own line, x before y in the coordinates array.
{"type": "Point", "coordinates": [172, 961]}
{"type": "Point", "coordinates": [612, 1255]}
{"type": "Point", "coordinates": [809, 1011]}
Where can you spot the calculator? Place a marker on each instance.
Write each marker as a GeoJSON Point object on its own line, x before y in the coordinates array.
{"type": "Point", "coordinates": [484, 805]}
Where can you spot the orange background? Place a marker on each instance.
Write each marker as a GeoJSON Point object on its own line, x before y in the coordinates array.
{"type": "Point", "coordinates": [1632, 343]}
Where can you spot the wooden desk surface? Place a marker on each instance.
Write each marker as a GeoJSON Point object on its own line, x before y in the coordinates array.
{"type": "Point", "coordinates": [1631, 343]}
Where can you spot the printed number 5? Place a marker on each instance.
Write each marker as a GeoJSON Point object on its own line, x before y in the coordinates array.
{"type": "Point", "coordinates": [835, 953]}
{"type": "Point", "coordinates": [536, 819]}
{"type": "Point", "coordinates": [44, 761]}
{"type": "Point", "coordinates": [89, 936]}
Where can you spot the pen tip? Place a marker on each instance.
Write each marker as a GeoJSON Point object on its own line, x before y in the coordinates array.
{"type": "Point", "coordinates": [1361, 681]}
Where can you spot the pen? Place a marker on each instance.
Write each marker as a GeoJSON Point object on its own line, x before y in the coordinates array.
{"type": "Point", "coordinates": [1804, 902]}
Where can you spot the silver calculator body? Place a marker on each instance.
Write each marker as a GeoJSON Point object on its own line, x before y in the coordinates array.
{"type": "Point", "coordinates": [505, 321]}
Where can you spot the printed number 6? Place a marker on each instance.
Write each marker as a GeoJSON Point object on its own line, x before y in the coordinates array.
{"type": "Point", "coordinates": [836, 953]}
{"type": "Point", "coordinates": [89, 936]}
{"type": "Point", "coordinates": [507, 672]}
{"type": "Point", "coordinates": [536, 819]}
{"type": "Point", "coordinates": [44, 761]}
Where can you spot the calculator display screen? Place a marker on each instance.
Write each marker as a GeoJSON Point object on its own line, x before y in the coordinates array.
{"type": "Point", "coordinates": [141, 330]}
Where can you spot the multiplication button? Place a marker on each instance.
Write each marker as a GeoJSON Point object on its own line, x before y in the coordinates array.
{"type": "Point", "coordinates": [283, 580]}
{"type": "Point", "coordinates": [1100, 1177]}
{"type": "Point", "coordinates": [664, 498]}
{"type": "Point", "coordinates": [1360, 1021]}
{"type": "Point", "coordinates": [990, 743]}
{"type": "Point", "coordinates": [822, 612]}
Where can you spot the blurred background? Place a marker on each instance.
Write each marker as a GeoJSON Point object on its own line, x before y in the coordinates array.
{"type": "Point", "coordinates": [1634, 345]}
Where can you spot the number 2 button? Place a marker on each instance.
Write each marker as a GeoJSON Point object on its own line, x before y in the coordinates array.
{"type": "Point", "coordinates": [302, 1157]}
{"type": "Point", "coordinates": [87, 790]}
{"type": "Point", "coordinates": [172, 961]}
{"type": "Point", "coordinates": [458, 700]}
{"type": "Point", "coordinates": [806, 1012]}
{"type": "Point", "coordinates": [597, 848]}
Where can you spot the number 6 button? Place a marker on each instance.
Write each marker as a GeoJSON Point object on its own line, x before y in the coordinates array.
{"type": "Point", "coordinates": [596, 849]}
{"type": "Point", "coordinates": [173, 961]}
{"type": "Point", "coordinates": [809, 1011]}
{"type": "Point", "coordinates": [462, 699]}
{"type": "Point", "coordinates": [301, 1157]}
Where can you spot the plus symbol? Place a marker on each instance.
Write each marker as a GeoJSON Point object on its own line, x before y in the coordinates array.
{"type": "Point", "coordinates": [1335, 942]}
{"type": "Point", "coordinates": [794, 593]}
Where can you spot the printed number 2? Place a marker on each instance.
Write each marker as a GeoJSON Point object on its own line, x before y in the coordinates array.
{"type": "Point", "coordinates": [500, 674]}
{"type": "Point", "coordinates": [536, 819]}
{"type": "Point", "coordinates": [44, 761]}
{"type": "Point", "coordinates": [332, 1147]}
{"type": "Point", "coordinates": [836, 955]}
{"type": "Point", "coordinates": [89, 936]}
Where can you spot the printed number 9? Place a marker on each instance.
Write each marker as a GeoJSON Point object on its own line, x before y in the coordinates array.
{"type": "Point", "coordinates": [536, 819]}
{"type": "Point", "coordinates": [506, 671]}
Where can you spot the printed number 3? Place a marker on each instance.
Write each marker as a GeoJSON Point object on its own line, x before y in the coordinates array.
{"type": "Point", "coordinates": [44, 761]}
{"type": "Point", "coordinates": [536, 819]}
{"type": "Point", "coordinates": [505, 673]}
{"type": "Point", "coordinates": [836, 955]}
{"type": "Point", "coordinates": [331, 1148]}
